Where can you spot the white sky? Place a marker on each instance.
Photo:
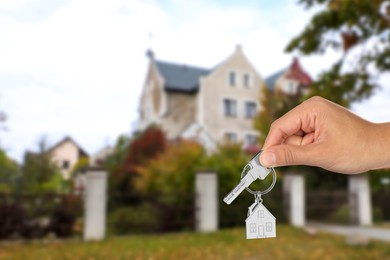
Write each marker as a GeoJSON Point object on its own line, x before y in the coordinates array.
{"type": "Point", "coordinates": [76, 67]}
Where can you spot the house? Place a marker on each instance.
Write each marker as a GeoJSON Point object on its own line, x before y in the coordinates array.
{"type": "Point", "coordinates": [66, 153]}
{"type": "Point", "coordinates": [209, 105]}
{"type": "Point", "coordinates": [291, 81]}
{"type": "Point", "coordinates": [260, 223]}
{"type": "Point", "coordinates": [99, 158]}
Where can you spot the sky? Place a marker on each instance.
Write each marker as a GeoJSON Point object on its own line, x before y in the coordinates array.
{"type": "Point", "coordinates": [76, 67]}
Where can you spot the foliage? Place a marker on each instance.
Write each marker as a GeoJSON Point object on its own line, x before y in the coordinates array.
{"type": "Point", "coordinates": [132, 153]}
{"type": "Point", "coordinates": [40, 173]}
{"type": "Point", "coordinates": [291, 243]}
{"type": "Point", "coordinates": [171, 174]}
{"type": "Point", "coordinates": [9, 173]}
{"type": "Point", "coordinates": [80, 165]}
{"type": "Point", "coordinates": [360, 28]}
{"type": "Point", "coordinates": [135, 219]}
{"type": "Point", "coordinates": [377, 178]}
{"type": "Point", "coordinates": [35, 216]}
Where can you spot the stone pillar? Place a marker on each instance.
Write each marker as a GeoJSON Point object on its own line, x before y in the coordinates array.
{"type": "Point", "coordinates": [360, 200]}
{"type": "Point", "coordinates": [95, 204]}
{"type": "Point", "coordinates": [294, 197]}
{"type": "Point", "coordinates": [206, 201]}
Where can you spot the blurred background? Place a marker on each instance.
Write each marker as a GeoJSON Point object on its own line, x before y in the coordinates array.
{"type": "Point", "coordinates": [127, 122]}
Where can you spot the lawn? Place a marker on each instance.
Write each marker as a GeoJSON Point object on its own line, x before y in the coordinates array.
{"type": "Point", "coordinates": [291, 243]}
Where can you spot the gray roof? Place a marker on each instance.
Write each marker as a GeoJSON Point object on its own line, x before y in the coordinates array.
{"type": "Point", "coordinates": [270, 80]}
{"type": "Point", "coordinates": [179, 77]}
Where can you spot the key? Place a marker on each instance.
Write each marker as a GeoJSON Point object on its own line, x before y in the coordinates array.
{"type": "Point", "coordinates": [256, 171]}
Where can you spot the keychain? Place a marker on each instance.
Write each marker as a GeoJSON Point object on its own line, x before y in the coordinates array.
{"type": "Point", "coordinates": [260, 223]}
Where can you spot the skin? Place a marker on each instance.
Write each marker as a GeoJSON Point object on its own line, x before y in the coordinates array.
{"type": "Point", "coordinates": [323, 134]}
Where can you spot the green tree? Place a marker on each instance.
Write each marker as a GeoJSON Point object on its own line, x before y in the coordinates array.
{"type": "Point", "coordinates": [359, 30]}
{"type": "Point", "coordinates": [40, 173]}
{"type": "Point", "coordinates": [9, 173]}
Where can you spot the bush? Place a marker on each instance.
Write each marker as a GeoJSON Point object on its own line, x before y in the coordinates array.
{"type": "Point", "coordinates": [137, 219]}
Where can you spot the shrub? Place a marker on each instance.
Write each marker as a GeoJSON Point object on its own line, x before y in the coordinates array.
{"type": "Point", "coordinates": [136, 219]}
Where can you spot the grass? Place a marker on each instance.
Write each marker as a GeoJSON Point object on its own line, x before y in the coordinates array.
{"type": "Point", "coordinates": [291, 243]}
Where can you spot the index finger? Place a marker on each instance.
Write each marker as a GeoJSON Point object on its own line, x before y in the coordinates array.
{"type": "Point", "coordinates": [297, 120]}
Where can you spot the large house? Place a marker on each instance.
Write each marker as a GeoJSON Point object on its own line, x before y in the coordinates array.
{"type": "Point", "coordinates": [213, 105]}
{"type": "Point", "coordinates": [208, 105]}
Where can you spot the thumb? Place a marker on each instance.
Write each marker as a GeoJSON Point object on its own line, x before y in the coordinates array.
{"type": "Point", "coordinates": [283, 155]}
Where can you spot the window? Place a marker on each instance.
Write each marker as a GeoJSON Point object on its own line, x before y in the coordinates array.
{"type": "Point", "coordinates": [232, 78]}
{"type": "Point", "coordinates": [65, 164]}
{"type": "Point", "coordinates": [251, 140]}
{"type": "Point", "coordinates": [250, 109]}
{"type": "Point", "coordinates": [260, 214]}
{"type": "Point", "coordinates": [268, 227]}
{"type": "Point", "coordinates": [231, 137]}
{"type": "Point", "coordinates": [253, 228]}
{"type": "Point", "coordinates": [229, 107]}
{"type": "Point", "coordinates": [247, 80]}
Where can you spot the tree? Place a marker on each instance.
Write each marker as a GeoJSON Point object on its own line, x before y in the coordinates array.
{"type": "Point", "coordinates": [360, 29]}
{"type": "Point", "coordinates": [129, 154]}
{"type": "Point", "coordinates": [40, 173]}
{"type": "Point", "coordinates": [9, 173]}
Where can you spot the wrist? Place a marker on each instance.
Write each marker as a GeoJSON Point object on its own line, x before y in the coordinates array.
{"type": "Point", "coordinates": [380, 145]}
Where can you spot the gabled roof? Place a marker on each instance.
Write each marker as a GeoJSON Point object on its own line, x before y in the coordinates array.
{"type": "Point", "coordinates": [82, 152]}
{"type": "Point", "coordinates": [270, 80]}
{"type": "Point", "coordinates": [294, 71]}
{"type": "Point", "coordinates": [179, 77]}
{"type": "Point", "coordinates": [258, 206]}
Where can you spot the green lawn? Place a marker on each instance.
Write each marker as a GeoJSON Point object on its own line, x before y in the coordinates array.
{"type": "Point", "coordinates": [290, 243]}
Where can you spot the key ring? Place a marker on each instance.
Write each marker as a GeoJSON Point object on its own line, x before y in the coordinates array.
{"type": "Point", "coordinates": [259, 193]}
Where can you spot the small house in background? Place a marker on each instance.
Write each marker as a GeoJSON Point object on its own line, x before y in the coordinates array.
{"type": "Point", "coordinates": [291, 81]}
{"type": "Point", "coordinates": [66, 153]}
{"type": "Point", "coordinates": [260, 223]}
{"type": "Point", "coordinates": [98, 159]}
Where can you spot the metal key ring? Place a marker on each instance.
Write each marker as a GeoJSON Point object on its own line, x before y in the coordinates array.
{"type": "Point", "coordinates": [264, 191]}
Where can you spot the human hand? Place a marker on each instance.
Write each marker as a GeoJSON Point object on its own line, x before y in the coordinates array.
{"type": "Point", "coordinates": [324, 134]}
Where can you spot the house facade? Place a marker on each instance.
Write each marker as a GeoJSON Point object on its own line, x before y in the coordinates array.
{"type": "Point", "coordinates": [210, 106]}
{"type": "Point", "coordinates": [260, 223]}
{"type": "Point", "coordinates": [291, 81]}
{"type": "Point", "coordinates": [66, 153]}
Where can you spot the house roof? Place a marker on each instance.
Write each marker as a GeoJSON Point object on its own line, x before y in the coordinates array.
{"type": "Point", "coordinates": [66, 139]}
{"type": "Point", "coordinates": [294, 71]}
{"type": "Point", "coordinates": [258, 206]}
{"type": "Point", "coordinates": [270, 80]}
{"type": "Point", "coordinates": [181, 77]}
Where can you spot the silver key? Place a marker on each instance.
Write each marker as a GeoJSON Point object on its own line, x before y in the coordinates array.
{"type": "Point", "coordinates": [256, 171]}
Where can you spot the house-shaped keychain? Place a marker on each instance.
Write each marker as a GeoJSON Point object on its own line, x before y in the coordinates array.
{"type": "Point", "coordinates": [260, 223]}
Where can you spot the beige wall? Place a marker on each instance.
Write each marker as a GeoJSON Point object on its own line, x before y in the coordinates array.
{"type": "Point", "coordinates": [181, 109]}
{"type": "Point", "coordinates": [216, 87]}
{"type": "Point", "coordinates": [65, 151]}
{"type": "Point", "coordinates": [153, 98]}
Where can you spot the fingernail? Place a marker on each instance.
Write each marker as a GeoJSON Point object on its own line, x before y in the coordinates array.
{"type": "Point", "coordinates": [268, 159]}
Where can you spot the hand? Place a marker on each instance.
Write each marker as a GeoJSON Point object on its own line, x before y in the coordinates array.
{"type": "Point", "coordinates": [324, 134]}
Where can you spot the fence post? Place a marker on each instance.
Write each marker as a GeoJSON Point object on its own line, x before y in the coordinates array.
{"type": "Point", "coordinates": [206, 201]}
{"type": "Point", "coordinates": [95, 204]}
{"type": "Point", "coordinates": [294, 196]}
{"type": "Point", "coordinates": [360, 200]}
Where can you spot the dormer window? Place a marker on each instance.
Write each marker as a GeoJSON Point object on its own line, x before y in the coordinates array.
{"type": "Point", "coordinates": [232, 78]}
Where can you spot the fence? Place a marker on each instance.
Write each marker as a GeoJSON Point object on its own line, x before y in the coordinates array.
{"type": "Point", "coordinates": [36, 216]}
{"type": "Point", "coordinates": [31, 216]}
